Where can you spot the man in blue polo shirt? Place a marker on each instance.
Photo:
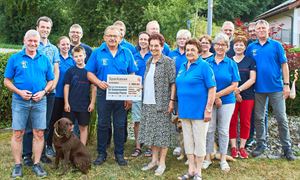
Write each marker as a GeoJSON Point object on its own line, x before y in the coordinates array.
{"type": "Point", "coordinates": [178, 55]}
{"type": "Point", "coordinates": [75, 35]}
{"type": "Point", "coordinates": [29, 76]}
{"type": "Point", "coordinates": [124, 42]}
{"type": "Point", "coordinates": [272, 81]}
{"type": "Point", "coordinates": [110, 58]}
{"type": "Point", "coordinates": [43, 26]}
{"type": "Point", "coordinates": [153, 28]}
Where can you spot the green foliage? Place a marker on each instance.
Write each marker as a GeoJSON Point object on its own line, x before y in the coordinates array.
{"type": "Point", "coordinates": [5, 95]}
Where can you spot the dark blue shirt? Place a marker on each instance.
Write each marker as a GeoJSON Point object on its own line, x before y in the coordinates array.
{"type": "Point", "coordinates": [79, 92]}
{"type": "Point", "coordinates": [27, 73]}
{"type": "Point", "coordinates": [269, 59]}
{"type": "Point", "coordinates": [102, 63]}
{"type": "Point", "coordinates": [87, 48]}
{"type": "Point", "coordinates": [64, 65]}
{"type": "Point", "coordinates": [192, 89]}
{"type": "Point", "coordinates": [140, 62]}
{"type": "Point", "coordinates": [178, 58]}
{"type": "Point", "coordinates": [245, 66]}
{"type": "Point", "coordinates": [226, 72]}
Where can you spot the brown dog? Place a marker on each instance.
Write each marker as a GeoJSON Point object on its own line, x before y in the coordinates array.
{"type": "Point", "coordinates": [69, 148]}
{"type": "Point", "coordinates": [178, 124]}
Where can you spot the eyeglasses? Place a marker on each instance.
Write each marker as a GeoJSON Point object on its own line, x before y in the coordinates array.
{"type": "Point", "coordinates": [220, 45]}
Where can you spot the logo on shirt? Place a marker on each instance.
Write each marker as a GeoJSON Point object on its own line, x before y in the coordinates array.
{"type": "Point", "coordinates": [179, 73]}
{"type": "Point", "coordinates": [24, 64]}
{"type": "Point", "coordinates": [104, 61]}
{"type": "Point", "coordinates": [254, 52]}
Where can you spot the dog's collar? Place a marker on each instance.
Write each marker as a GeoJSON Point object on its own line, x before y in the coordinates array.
{"type": "Point", "coordinates": [56, 133]}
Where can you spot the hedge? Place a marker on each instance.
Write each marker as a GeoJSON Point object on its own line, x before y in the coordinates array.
{"type": "Point", "coordinates": [293, 106]}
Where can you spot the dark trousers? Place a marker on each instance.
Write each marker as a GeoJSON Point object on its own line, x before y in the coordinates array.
{"type": "Point", "coordinates": [107, 111]}
{"type": "Point", "coordinates": [28, 136]}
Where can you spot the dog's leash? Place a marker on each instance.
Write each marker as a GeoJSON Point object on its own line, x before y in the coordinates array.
{"type": "Point", "coordinates": [56, 133]}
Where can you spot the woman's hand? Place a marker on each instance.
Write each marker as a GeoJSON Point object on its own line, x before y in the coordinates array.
{"type": "Point", "coordinates": [238, 98]}
{"type": "Point", "coordinates": [171, 107]}
{"type": "Point", "coordinates": [67, 107]}
{"type": "Point", "coordinates": [218, 102]}
{"type": "Point", "coordinates": [207, 115]}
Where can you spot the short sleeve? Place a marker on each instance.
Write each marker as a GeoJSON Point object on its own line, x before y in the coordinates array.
{"type": "Point", "coordinates": [56, 55]}
{"type": "Point", "coordinates": [208, 74]}
{"type": "Point", "coordinates": [91, 65]}
{"type": "Point", "coordinates": [50, 73]}
{"type": "Point", "coordinates": [281, 53]}
{"type": "Point", "coordinates": [67, 78]}
{"type": "Point", "coordinates": [252, 64]}
{"type": "Point", "coordinates": [235, 72]}
{"type": "Point", "coordinates": [171, 70]}
{"type": "Point", "coordinates": [9, 70]}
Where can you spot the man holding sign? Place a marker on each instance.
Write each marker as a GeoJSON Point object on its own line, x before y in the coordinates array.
{"type": "Point", "coordinates": [110, 58]}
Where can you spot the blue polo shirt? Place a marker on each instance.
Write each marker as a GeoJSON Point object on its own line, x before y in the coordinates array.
{"type": "Point", "coordinates": [140, 62]}
{"type": "Point", "coordinates": [27, 73]}
{"type": "Point", "coordinates": [192, 89]}
{"type": "Point", "coordinates": [178, 58]}
{"type": "Point", "coordinates": [102, 63]}
{"type": "Point", "coordinates": [268, 58]}
{"type": "Point", "coordinates": [225, 72]}
{"type": "Point", "coordinates": [51, 52]}
{"type": "Point", "coordinates": [64, 65]}
{"type": "Point", "coordinates": [128, 45]}
{"type": "Point", "coordinates": [166, 49]}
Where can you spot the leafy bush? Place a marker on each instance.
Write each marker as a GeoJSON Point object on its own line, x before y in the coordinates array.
{"type": "Point", "coordinates": [5, 95]}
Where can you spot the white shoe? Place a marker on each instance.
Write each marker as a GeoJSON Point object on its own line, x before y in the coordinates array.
{"type": "Point", "coordinates": [206, 164]}
{"type": "Point", "coordinates": [160, 170]}
{"type": "Point", "coordinates": [177, 151]}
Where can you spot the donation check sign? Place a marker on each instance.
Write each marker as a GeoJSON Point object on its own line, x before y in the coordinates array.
{"type": "Point", "coordinates": [124, 87]}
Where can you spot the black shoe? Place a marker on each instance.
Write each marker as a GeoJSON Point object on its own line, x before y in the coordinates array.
{"type": "Point", "coordinates": [38, 170]}
{"type": "Point", "coordinates": [45, 159]}
{"type": "Point", "coordinates": [27, 161]}
{"type": "Point", "coordinates": [259, 150]}
{"type": "Point", "coordinates": [120, 160]}
{"type": "Point", "coordinates": [99, 160]}
{"type": "Point", "coordinates": [288, 154]}
{"type": "Point", "coordinates": [17, 171]}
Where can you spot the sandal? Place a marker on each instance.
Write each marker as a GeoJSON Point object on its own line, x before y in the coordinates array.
{"type": "Point", "coordinates": [197, 177]}
{"type": "Point", "coordinates": [137, 152]}
{"type": "Point", "coordinates": [148, 153]}
{"type": "Point", "coordinates": [224, 166]}
{"type": "Point", "coordinates": [149, 166]}
{"type": "Point", "coordinates": [206, 164]}
{"type": "Point", "coordinates": [185, 177]}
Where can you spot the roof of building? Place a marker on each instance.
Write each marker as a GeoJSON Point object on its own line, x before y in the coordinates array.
{"type": "Point", "coordinates": [285, 6]}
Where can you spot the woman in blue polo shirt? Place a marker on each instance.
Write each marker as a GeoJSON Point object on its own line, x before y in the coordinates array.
{"type": "Point", "coordinates": [140, 58]}
{"type": "Point", "coordinates": [227, 78]}
{"type": "Point", "coordinates": [196, 92]}
{"type": "Point", "coordinates": [66, 61]}
{"type": "Point", "coordinates": [206, 43]}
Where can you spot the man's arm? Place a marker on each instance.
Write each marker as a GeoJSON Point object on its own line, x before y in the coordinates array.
{"type": "Point", "coordinates": [39, 95]}
{"type": "Point", "coordinates": [26, 95]}
{"type": "Point", "coordinates": [56, 76]}
{"type": "Point", "coordinates": [286, 79]}
{"type": "Point", "coordinates": [101, 84]}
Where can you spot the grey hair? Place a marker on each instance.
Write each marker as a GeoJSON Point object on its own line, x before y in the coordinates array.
{"type": "Point", "coordinates": [32, 33]}
{"type": "Point", "coordinates": [77, 26]}
{"type": "Point", "coordinates": [261, 21]}
{"type": "Point", "coordinates": [222, 37]}
{"type": "Point", "coordinates": [152, 22]}
{"type": "Point", "coordinates": [120, 23]}
{"type": "Point", "coordinates": [112, 28]}
{"type": "Point", "coordinates": [184, 32]}
{"type": "Point", "coordinates": [228, 23]}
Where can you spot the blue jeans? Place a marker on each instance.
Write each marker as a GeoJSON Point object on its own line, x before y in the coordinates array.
{"type": "Point", "coordinates": [28, 136]}
{"type": "Point", "coordinates": [107, 109]}
{"type": "Point", "coordinates": [252, 127]}
{"type": "Point", "coordinates": [24, 112]}
{"type": "Point", "coordinates": [278, 105]}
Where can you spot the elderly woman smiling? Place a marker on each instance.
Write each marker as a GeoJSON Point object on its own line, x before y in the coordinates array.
{"type": "Point", "coordinates": [156, 129]}
{"type": "Point", "coordinates": [227, 78]}
{"type": "Point", "coordinates": [196, 91]}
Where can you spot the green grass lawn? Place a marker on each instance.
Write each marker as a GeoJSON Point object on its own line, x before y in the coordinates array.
{"type": "Point", "coordinates": [240, 170]}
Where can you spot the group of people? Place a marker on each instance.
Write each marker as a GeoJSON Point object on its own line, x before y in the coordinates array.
{"type": "Point", "coordinates": [208, 84]}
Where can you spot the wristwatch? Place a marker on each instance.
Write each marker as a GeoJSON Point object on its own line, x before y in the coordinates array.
{"type": "Point", "coordinates": [286, 84]}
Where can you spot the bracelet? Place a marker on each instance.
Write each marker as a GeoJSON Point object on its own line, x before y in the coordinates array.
{"type": "Point", "coordinates": [286, 84]}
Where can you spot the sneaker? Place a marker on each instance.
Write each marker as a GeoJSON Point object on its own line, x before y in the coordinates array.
{"type": "Point", "coordinates": [45, 159]}
{"type": "Point", "coordinates": [234, 152]}
{"type": "Point", "coordinates": [50, 151]}
{"type": "Point", "coordinates": [177, 151]}
{"type": "Point", "coordinates": [27, 161]}
{"type": "Point", "coordinates": [38, 170]}
{"type": "Point", "coordinates": [243, 153]}
{"type": "Point", "coordinates": [289, 155]}
{"type": "Point", "coordinates": [259, 150]}
{"type": "Point", "coordinates": [99, 160]}
{"type": "Point", "coordinates": [17, 171]}
{"type": "Point", "coordinates": [250, 142]}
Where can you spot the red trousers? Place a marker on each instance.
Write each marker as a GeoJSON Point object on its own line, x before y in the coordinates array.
{"type": "Point", "coordinates": [244, 109]}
